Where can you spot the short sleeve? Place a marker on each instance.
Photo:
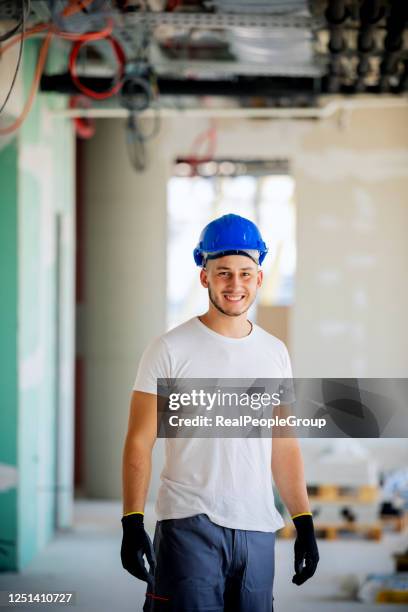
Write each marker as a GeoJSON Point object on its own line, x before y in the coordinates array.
{"type": "Point", "coordinates": [287, 366]}
{"type": "Point", "coordinates": [154, 363]}
{"type": "Point", "coordinates": [287, 386]}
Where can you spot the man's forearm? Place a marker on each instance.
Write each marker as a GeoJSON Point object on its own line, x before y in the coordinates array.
{"type": "Point", "coordinates": [288, 474]}
{"type": "Point", "coordinates": [136, 472]}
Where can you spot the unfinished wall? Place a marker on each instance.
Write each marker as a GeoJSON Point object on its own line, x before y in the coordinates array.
{"type": "Point", "coordinates": [351, 297]}
{"type": "Point", "coordinates": [37, 173]}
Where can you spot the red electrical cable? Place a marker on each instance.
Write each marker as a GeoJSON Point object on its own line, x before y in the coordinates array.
{"type": "Point", "coordinates": [42, 57]}
{"type": "Point", "coordinates": [172, 5]}
{"type": "Point", "coordinates": [75, 6]}
{"type": "Point", "coordinates": [38, 29]}
{"type": "Point", "coordinates": [121, 60]}
{"type": "Point", "coordinates": [49, 30]}
{"type": "Point", "coordinates": [44, 28]}
{"type": "Point", "coordinates": [208, 137]}
{"type": "Point", "coordinates": [84, 126]}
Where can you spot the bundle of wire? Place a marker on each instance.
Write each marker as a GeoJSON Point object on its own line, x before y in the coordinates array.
{"type": "Point", "coordinates": [121, 61]}
{"type": "Point", "coordinates": [49, 30]}
{"type": "Point", "coordinates": [4, 37]}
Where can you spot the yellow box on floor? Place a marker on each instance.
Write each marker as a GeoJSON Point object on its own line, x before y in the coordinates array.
{"type": "Point", "coordinates": [391, 596]}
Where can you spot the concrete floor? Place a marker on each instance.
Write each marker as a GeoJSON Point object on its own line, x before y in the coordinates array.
{"type": "Point", "coordinates": [86, 560]}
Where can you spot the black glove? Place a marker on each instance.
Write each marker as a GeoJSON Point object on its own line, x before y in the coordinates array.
{"type": "Point", "coordinates": [135, 544]}
{"type": "Point", "coordinates": [305, 549]}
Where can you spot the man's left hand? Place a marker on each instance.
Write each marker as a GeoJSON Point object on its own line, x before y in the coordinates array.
{"type": "Point", "coordinates": [306, 551]}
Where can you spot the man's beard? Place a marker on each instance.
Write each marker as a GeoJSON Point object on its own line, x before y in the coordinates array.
{"type": "Point", "coordinates": [220, 309]}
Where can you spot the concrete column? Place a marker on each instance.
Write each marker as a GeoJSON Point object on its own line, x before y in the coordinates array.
{"type": "Point", "coordinates": [125, 278]}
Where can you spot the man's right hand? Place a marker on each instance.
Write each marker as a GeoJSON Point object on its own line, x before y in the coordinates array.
{"type": "Point", "coordinates": [136, 543]}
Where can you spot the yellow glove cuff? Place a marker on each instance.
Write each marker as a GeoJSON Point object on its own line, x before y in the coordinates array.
{"type": "Point", "coordinates": [301, 514]}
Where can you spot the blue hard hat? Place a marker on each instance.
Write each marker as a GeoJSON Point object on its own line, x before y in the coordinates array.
{"type": "Point", "coordinates": [229, 234]}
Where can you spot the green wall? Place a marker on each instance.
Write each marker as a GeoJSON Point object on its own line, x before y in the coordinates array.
{"type": "Point", "coordinates": [38, 168]}
{"type": "Point", "coordinates": [8, 355]}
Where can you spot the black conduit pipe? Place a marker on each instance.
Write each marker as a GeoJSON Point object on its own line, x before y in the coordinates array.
{"type": "Point", "coordinates": [393, 42]}
{"type": "Point", "coordinates": [336, 15]}
{"type": "Point", "coordinates": [371, 12]}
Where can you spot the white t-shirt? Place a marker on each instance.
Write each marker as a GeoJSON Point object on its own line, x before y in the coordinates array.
{"type": "Point", "coordinates": [229, 479]}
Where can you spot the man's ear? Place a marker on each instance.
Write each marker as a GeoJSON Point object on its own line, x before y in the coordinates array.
{"type": "Point", "coordinates": [259, 280]}
{"type": "Point", "coordinates": [204, 278]}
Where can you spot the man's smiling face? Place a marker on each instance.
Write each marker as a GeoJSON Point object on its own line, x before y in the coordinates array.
{"type": "Point", "coordinates": [232, 282]}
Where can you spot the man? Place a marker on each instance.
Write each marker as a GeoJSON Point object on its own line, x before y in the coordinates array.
{"type": "Point", "coordinates": [214, 540]}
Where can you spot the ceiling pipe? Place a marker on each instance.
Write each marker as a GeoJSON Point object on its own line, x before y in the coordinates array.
{"type": "Point", "coordinates": [325, 111]}
{"type": "Point", "coordinates": [336, 14]}
{"type": "Point", "coordinates": [393, 42]}
{"type": "Point", "coordinates": [403, 84]}
{"type": "Point", "coordinates": [371, 13]}
{"type": "Point", "coordinates": [238, 87]}
{"type": "Point", "coordinates": [279, 90]}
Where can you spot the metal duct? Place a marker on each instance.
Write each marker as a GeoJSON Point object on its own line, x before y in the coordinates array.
{"type": "Point", "coordinates": [288, 49]}
{"type": "Point", "coordinates": [256, 6]}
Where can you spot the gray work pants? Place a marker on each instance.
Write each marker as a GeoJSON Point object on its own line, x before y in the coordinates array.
{"type": "Point", "coordinates": [202, 566]}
